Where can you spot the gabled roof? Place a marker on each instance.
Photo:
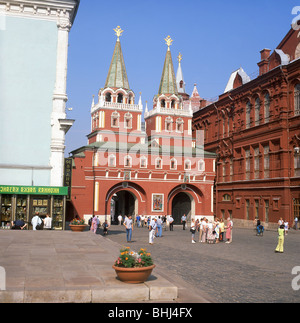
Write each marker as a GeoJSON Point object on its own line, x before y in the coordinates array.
{"type": "Point", "coordinates": [245, 79]}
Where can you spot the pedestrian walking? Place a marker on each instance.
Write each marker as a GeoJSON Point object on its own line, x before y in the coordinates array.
{"type": "Point", "coordinates": [222, 229]}
{"type": "Point", "coordinates": [159, 227]}
{"type": "Point", "coordinates": [129, 227]}
{"type": "Point", "coordinates": [94, 225]}
{"type": "Point", "coordinates": [217, 230]}
{"type": "Point", "coordinates": [152, 229]}
{"type": "Point", "coordinates": [296, 223]}
{"type": "Point", "coordinates": [280, 244]}
{"type": "Point", "coordinates": [286, 227]}
{"type": "Point", "coordinates": [47, 222]}
{"type": "Point", "coordinates": [148, 221]}
{"type": "Point", "coordinates": [204, 230]}
{"type": "Point", "coordinates": [200, 229]}
{"type": "Point", "coordinates": [90, 222]}
{"type": "Point", "coordinates": [105, 226]}
{"type": "Point", "coordinates": [120, 219]}
{"type": "Point", "coordinates": [164, 221]}
{"type": "Point", "coordinates": [142, 220]}
{"type": "Point", "coordinates": [138, 221]}
{"type": "Point", "coordinates": [167, 222]}
{"type": "Point", "coordinates": [183, 221]}
{"type": "Point", "coordinates": [229, 230]}
{"type": "Point", "coordinates": [171, 221]}
{"type": "Point", "coordinates": [210, 233]}
{"type": "Point", "coordinates": [36, 222]}
{"type": "Point", "coordinates": [193, 230]}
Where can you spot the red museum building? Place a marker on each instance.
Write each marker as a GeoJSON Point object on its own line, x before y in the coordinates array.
{"type": "Point", "coordinates": [150, 168]}
{"type": "Point", "coordinates": [254, 128]}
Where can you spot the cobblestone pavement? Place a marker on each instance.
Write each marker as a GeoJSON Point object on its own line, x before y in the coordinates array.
{"type": "Point", "coordinates": [247, 270]}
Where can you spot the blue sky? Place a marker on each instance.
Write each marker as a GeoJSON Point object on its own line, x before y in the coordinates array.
{"type": "Point", "coordinates": [214, 37]}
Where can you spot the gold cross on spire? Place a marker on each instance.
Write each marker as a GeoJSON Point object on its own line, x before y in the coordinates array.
{"type": "Point", "coordinates": [179, 57]}
{"type": "Point", "coordinates": [119, 32]}
{"type": "Point", "coordinates": [169, 41]}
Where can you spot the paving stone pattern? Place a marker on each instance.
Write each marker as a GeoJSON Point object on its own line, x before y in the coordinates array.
{"type": "Point", "coordinates": [246, 271]}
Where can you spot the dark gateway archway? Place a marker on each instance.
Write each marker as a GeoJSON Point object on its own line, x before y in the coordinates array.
{"type": "Point", "coordinates": [123, 203]}
{"type": "Point", "coordinates": [181, 205]}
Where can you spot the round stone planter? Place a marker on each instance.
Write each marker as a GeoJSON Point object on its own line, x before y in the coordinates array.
{"type": "Point", "coordinates": [77, 228]}
{"type": "Point", "coordinates": [133, 275]}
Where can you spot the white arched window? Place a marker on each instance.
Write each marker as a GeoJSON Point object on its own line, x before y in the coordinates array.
{"type": "Point", "coordinates": [143, 162]}
{"type": "Point", "coordinates": [179, 125]}
{"type": "Point", "coordinates": [158, 163]}
{"type": "Point", "coordinates": [128, 161]}
{"type": "Point", "coordinates": [120, 98]}
{"type": "Point", "coordinates": [108, 97]}
{"type": "Point", "coordinates": [169, 124]}
{"type": "Point", "coordinates": [187, 164]}
{"type": "Point", "coordinates": [201, 165]}
{"type": "Point", "coordinates": [112, 161]}
{"type": "Point", "coordinates": [128, 120]}
{"type": "Point", "coordinates": [115, 119]}
{"type": "Point", "coordinates": [173, 164]}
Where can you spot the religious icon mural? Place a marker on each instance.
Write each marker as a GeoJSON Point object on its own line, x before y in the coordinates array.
{"type": "Point", "coordinates": [157, 202]}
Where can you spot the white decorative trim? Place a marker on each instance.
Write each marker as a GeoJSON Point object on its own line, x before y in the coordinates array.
{"type": "Point", "coordinates": [63, 12]}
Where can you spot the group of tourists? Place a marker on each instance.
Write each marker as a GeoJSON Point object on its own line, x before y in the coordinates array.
{"type": "Point", "coordinates": [95, 224]}
{"type": "Point", "coordinates": [211, 231]}
{"type": "Point", "coordinates": [37, 222]}
{"type": "Point", "coordinates": [141, 221]}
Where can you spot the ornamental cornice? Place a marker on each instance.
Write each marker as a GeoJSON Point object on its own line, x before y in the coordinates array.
{"type": "Point", "coordinates": [62, 12]}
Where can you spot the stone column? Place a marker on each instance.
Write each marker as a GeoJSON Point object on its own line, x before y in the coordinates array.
{"type": "Point", "coordinates": [58, 118]}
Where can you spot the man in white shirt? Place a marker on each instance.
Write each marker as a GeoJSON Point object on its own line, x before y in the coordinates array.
{"type": "Point", "coordinates": [120, 219]}
{"type": "Point", "coordinates": [47, 223]}
{"type": "Point", "coordinates": [171, 220]}
{"type": "Point", "coordinates": [159, 227]}
{"type": "Point", "coordinates": [203, 222]}
{"type": "Point", "coordinates": [152, 228]}
{"type": "Point", "coordinates": [36, 220]}
{"type": "Point", "coordinates": [128, 225]}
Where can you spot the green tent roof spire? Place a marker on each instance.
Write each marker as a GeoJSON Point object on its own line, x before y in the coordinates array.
{"type": "Point", "coordinates": [117, 75]}
{"type": "Point", "coordinates": [168, 80]}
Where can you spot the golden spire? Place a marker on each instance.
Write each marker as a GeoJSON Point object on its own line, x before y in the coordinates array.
{"type": "Point", "coordinates": [179, 58]}
{"type": "Point", "coordinates": [119, 32]}
{"type": "Point", "coordinates": [169, 41]}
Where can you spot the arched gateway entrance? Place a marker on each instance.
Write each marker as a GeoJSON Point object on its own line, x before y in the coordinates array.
{"type": "Point", "coordinates": [181, 204]}
{"type": "Point", "coordinates": [125, 198]}
{"type": "Point", "coordinates": [124, 203]}
{"type": "Point", "coordinates": [185, 199]}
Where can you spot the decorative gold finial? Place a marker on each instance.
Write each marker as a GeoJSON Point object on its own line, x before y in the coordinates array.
{"type": "Point", "coordinates": [119, 32]}
{"type": "Point", "coordinates": [179, 57]}
{"type": "Point", "coordinates": [169, 41]}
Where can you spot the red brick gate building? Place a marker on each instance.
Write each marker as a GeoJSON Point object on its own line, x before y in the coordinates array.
{"type": "Point", "coordinates": [254, 128]}
{"type": "Point", "coordinates": [152, 168]}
